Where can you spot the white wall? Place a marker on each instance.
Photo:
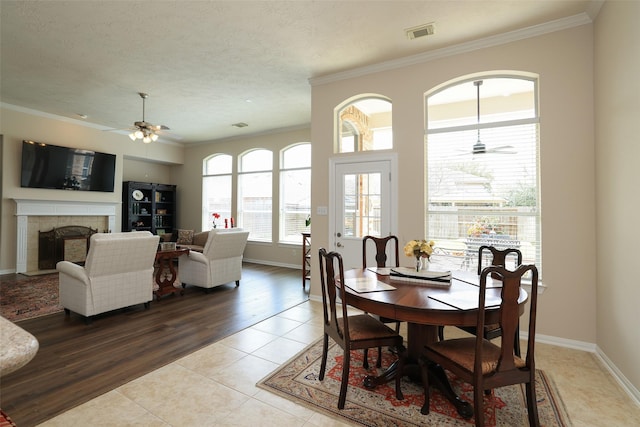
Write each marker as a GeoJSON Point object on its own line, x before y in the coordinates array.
{"type": "Point", "coordinates": [189, 181]}
{"type": "Point", "coordinates": [617, 107]}
{"type": "Point", "coordinates": [564, 62]}
{"type": "Point", "coordinates": [17, 125]}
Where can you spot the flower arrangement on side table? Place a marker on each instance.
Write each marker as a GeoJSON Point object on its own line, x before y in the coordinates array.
{"type": "Point", "coordinates": [215, 216]}
{"type": "Point", "coordinates": [419, 249]}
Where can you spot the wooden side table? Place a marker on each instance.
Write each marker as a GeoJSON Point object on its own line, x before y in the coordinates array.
{"type": "Point", "coordinates": [166, 273]}
{"type": "Point", "coordinates": [306, 258]}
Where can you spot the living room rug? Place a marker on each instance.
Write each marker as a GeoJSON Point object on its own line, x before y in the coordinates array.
{"type": "Point", "coordinates": [297, 380]}
{"type": "Point", "coordinates": [25, 297]}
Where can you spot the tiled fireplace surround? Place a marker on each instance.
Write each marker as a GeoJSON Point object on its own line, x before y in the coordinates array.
{"type": "Point", "coordinates": [43, 215]}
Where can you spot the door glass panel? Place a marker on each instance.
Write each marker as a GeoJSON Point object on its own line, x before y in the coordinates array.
{"type": "Point", "coordinates": [362, 202]}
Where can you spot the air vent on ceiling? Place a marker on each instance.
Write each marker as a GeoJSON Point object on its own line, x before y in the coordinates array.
{"type": "Point", "coordinates": [420, 31]}
{"type": "Point", "coordinates": [240, 125]}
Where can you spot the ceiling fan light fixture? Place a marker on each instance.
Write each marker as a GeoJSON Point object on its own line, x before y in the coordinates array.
{"type": "Point", "coordinates": [144, 130]}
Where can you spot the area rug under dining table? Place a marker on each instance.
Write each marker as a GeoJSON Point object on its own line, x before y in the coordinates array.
{"type": "Point", "coordinates": [297, 380]}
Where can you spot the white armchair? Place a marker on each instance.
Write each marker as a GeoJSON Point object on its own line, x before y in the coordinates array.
{"type": "Point", "coordinates": [220, 261]}
{"type": "Point", "coordinates": [118, 272]}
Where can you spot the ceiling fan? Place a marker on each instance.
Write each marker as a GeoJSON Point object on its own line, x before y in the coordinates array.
{"type": "Point", "coordinates": [480, 147]}
{"type": "Point", "coordinates": [144, 130]}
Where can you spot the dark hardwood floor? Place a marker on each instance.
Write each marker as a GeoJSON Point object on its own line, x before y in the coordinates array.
{"type": "Point", "coordinates": [77, 362]}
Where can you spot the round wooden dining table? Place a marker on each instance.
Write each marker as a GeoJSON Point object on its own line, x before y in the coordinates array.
{"type": "Point", "coordinates": [425, 307]}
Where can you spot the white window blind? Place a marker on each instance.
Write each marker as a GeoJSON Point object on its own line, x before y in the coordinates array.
{"type": "Point", "coordinates": [490, 197]}
{"type": "Point", "coordinates": [255, 194]}
{"type": "Point", "coordinates": [295, 192]}
{"type": "Point", "coordinates": [216, 190]}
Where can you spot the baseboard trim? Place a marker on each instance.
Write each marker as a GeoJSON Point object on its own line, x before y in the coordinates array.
{"type": "Point", "coordinates": [626, 385]}
{"type": "Point", "coordinates": [619, 376]}
{"type": "Point", "coordinates": [562, 342]}
{"type": "Point", "coordinates": [275, 264]}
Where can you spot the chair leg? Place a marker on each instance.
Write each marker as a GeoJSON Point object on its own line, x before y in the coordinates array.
{"type": "Point", "coordinates": [441, 333]}
{"type": "Point", "coordinates": [532, 407]}
{"type": "Point", "coordinates": [424, 370]}
{"type": "Point", "coordinates": [402, 354]}
{"type": "Point", "coordinates": [478, 406]}
{"type": "Point", "coordinates": [237, 283]}
{"type": "Point", "coordinates": [365, 362]}
{"type": "Point", "coordinates": [379, 361]}
{"type": "Point", "coordinates": [325, 350]}
{"type": "Point", "coordinates": [346, 363]}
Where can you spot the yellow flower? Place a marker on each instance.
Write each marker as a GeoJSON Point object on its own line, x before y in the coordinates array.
{"type": "Point", "coordinates": [419, 248]}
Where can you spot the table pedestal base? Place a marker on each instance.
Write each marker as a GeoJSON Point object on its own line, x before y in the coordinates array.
{"type": "Point", "coordinates": [166, 273]}
{"type": "Point", "coordinates": [418, 336]}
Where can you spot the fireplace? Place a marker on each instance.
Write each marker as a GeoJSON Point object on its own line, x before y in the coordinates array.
{"type": "Point", "coordinates": [68, 243]}
{"type": "Point", "coordinates": [34, 216]}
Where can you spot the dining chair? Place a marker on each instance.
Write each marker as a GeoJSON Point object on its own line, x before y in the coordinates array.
{"type": "Point", "coordinates": [498, 257]}
{"type": "Point", "coordinates": [353, 332]}
{"type": "Point", "coordinates": [482, 363]}
{"type": "Point", "coordinates": [381, 245]}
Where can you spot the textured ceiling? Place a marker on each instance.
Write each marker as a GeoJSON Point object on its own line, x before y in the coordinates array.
{"type": "Point", "coordinates": [200, 61]}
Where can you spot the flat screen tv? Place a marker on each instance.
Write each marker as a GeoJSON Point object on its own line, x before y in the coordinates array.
{"type": "Point", "coordinates": [52, 166]}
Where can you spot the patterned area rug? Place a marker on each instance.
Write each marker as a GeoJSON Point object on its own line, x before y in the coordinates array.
{"type": "Point", "coordinates": [297, 380]}
{"type": "Point", "coordinates": [23, 297]}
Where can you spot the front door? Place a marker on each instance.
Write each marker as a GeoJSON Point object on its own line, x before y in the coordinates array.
{"type": "Point", "coordinates": [363, 205]}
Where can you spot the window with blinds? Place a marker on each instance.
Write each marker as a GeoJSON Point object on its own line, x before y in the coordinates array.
{"type": "Point", "coordinates": [255, 200]}
{"type": "Point", "coordinates": [216, 189]}
{"type": "Point", "coordinates": [482, 149]}
{"type": "Point", "coordinates": [295, 192]}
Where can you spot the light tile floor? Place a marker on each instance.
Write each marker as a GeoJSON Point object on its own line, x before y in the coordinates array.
{"type": "Point", "coordinates": [215, 386]}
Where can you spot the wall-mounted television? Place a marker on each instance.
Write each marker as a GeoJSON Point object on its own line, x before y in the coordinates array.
{"type": "Point", "coordinates": [52, 166]}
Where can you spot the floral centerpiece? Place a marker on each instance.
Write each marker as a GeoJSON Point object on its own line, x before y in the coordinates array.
{"type": "Point", "coordinates": [215, 216]}
{"type": "Point", "coordinates": [419, 249]}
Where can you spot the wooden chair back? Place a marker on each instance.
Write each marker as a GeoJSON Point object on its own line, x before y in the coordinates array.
{"type": "Point", "coordinates": [331, 266]}
{"type": "Point", "coordinates": [499, 257]}
{"type": "Point", "coordinates": [506, 371]}
{"type": "Point", "coordinates": [484, 364]}
{"type": "Point", "coordinates": [381, 244]}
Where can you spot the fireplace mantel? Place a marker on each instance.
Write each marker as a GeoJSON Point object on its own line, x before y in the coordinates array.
{"type": "Point", "coordinates": [27, 207]}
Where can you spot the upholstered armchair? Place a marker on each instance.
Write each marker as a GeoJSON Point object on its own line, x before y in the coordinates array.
{"type": "Point", "coordinates": [220, 261]}
{"type": "Point", "coordinates": [118, 272]}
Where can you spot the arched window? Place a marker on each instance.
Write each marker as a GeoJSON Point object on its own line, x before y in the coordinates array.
{"type": "Point", "coordinates": [255, 202]}
{"type": "Point", "coordinates": [216, 189]}
{"type": "Point", "coordinates": [483, 167]}
{"type": "Point", "coordinates": [295, 191]}
{"type": "Point", "coordinates": [364, 124]}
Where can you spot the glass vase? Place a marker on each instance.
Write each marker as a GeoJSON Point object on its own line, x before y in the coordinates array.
{"type": "Point", "coordinates": [418, 263]}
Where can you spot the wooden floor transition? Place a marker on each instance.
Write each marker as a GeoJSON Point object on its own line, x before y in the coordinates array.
{"type": "Point", "coordinates": [77, 362]}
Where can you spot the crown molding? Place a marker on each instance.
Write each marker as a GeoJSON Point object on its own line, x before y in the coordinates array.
{"type": "Point", "coordinates": [79, 122]}
{"type": "Point", "coordinates": [491, 41]}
